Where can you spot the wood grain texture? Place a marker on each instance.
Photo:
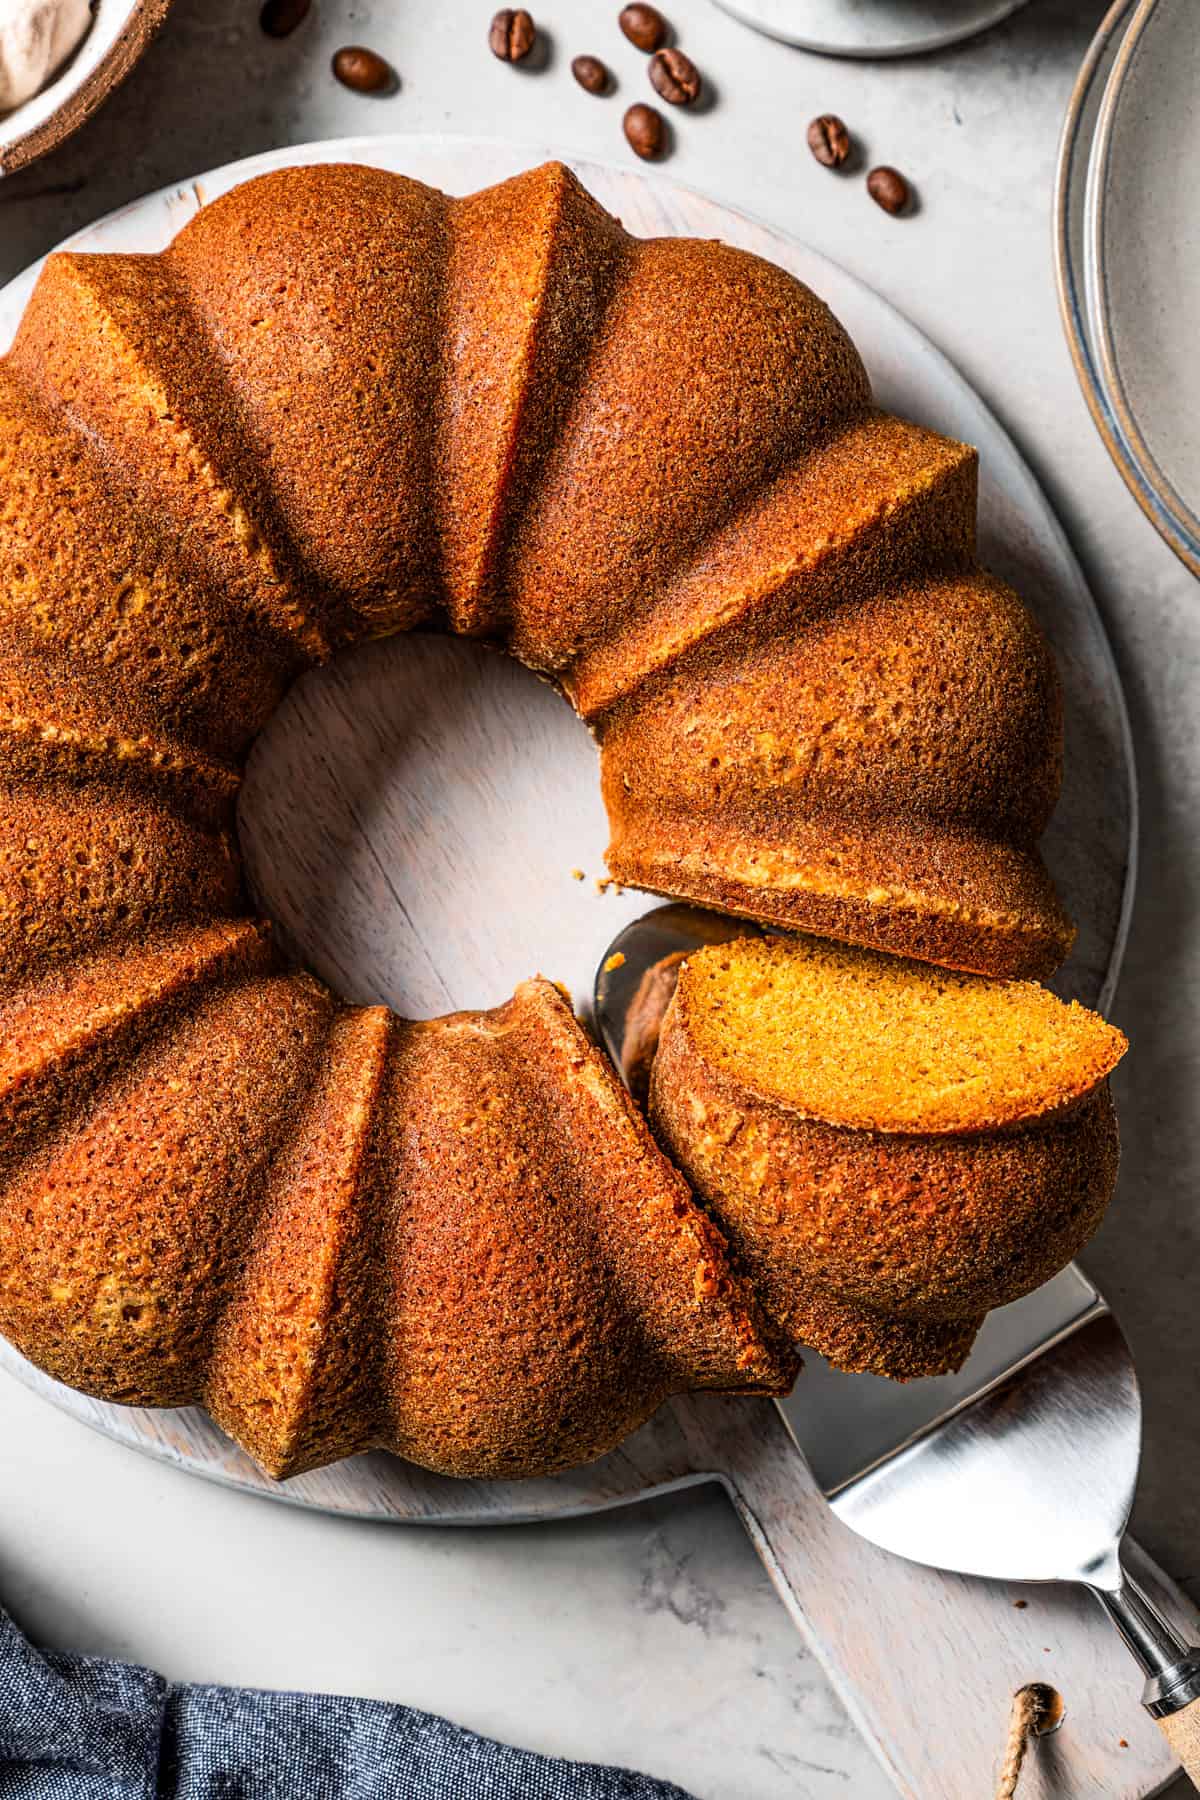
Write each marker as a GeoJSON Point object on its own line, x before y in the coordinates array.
{"type": "Point", "coordinates": [413, 818]}
{"type": "Point", "coordinates": [1182, 1732]}
{"type": "Point", "coordinates": [925, 1663]}
{"type": "Point", "coordinates": [928, 1665]}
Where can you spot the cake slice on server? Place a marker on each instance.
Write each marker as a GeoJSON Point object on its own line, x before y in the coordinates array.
{"type": "Point", "coordinates": [892, 1150]}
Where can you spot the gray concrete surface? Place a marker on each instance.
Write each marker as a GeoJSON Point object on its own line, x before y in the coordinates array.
{"type": "Point", "coordinates": [652, 1636]}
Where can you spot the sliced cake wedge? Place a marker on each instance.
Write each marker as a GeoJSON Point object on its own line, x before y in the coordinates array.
{"type": "Point", "coordinates": [891, 1149]}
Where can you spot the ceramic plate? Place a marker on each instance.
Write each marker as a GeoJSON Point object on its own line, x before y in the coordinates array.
{"type": "Point", "coordinates": [1142, 262]}
{"type": "Point", "coordinates": [871, 27]}
{"type": "Point", "coordinates": [449, 795]}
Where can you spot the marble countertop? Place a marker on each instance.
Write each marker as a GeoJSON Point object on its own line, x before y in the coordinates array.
{"type": "Point", "coordinates": [651, 1636]}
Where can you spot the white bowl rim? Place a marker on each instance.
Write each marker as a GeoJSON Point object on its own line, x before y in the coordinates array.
{"type": "Point", "coordinates": [119, 33]}
{"type": "Point", "coordinates": [986, 14]}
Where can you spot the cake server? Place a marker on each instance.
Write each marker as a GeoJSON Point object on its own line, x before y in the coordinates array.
{"type": "Point", "coordinates": [1020, 1467]}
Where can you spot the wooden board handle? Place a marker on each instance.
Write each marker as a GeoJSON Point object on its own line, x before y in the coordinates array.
{"type": "Point", "coordinates": [1182, 1732]}
{"type": "Point", "coordinates": [927, 1663]}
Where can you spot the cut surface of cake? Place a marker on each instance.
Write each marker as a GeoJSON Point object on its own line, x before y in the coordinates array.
{"type": "Point", "coordinates": [891, 1150]}
{"type": "Point", "coordinates": [342, 405]}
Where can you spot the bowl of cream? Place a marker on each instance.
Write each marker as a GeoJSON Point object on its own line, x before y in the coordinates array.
{"type": "Point", "coordinates": [59, 61]}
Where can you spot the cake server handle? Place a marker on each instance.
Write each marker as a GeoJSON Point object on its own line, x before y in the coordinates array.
{"type": "Point", "coordinates": [1170, 1664]}
{"type": "Point", "coordinates": [927, 1663]}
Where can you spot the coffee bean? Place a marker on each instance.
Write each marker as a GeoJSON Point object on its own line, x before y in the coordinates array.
{"type": "Point", "coordinates": [646, 131]}
{"type": "Point", "coordinates": [278, 18]}
{"type": "Point", "coordinates": [829, 140]}
{"type": "Point", "coordinates": [888, 188]}
{"type": "Point", "coordinates": [643, 26]}
{"type": "Point", "coordinates": [361, 69]}
{"type": "Point", "coordinates": [675, 77]}
{"type": "Point", "coordinates": [590, 73]}
{"type": "Point", "coordinates": [512, 34]}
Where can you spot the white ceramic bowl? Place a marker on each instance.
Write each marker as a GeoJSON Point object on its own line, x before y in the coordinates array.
{"type": "Point", "coordinates": [871, 28]}
{"type": "Point", "coordinates": [120, 33]}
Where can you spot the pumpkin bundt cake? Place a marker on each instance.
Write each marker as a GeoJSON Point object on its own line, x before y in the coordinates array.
{"type": "Point", "coordinates": [890, 1149]}
{"type": "Point", "coordinates": [342, 405]}
{"type": "Point", "coordinates": [338, 1229]}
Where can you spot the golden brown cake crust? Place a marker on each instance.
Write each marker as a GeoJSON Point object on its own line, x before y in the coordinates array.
{"type": "Point", "coordinates": [320, 292]}
{"type": "Point", "coordinates": [876, 500]}
{"type": "Point", "coordinates": [710, 370]}
{"type": "Point", "coordinates": [454, 1240]}
{"type": "Point", "coordinates": [122, 1235]}
{"type": "Point", "coordinates": [293, 1371]}
{"type": "Point", "coordinates": [107, 624]}
{"type": "Point", "coordinates": [550, 1280]}
{"type": "Point", "coordinates": [151, 394]}
{"type": "Point", "coordinates": [881, 775]}
{"type": "Point", "coordinates": [343, 404]}
{"type": "Point", "coordinates": [82, 866]}
{"type": "Point", "coordinates": [533, 265]}
{"type": "Point", "coordinates": [881, 1249]}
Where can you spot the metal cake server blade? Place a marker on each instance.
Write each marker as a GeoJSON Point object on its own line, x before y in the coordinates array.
{"type": "Point", "coordinates": [1020, 1467]}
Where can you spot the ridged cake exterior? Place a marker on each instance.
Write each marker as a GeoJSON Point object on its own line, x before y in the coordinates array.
{"type": "Point", "coordinates": [339, 1230]}
{"type": "Point", "coordinates": [342, 405]}
{"type": "Point", "coordinates": [346, 405]}
{"type": "Point", "coordinates": [880, 1233]}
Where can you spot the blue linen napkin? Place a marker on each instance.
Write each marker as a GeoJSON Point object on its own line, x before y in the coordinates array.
{"type": "Point", "coordinates": [85, 1728]}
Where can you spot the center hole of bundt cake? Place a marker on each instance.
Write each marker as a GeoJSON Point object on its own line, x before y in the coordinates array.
{"type": "Point", "coordinates": [412, 820]}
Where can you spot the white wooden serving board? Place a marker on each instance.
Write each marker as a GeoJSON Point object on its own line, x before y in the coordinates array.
{"type": "Point", "coordinates": [412, 819]}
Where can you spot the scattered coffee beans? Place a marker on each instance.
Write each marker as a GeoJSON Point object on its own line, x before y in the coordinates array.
{"type": "Point", "coordinates": [279, 18]}
{"type": "Point", "coordinates": [643, 26]}
{"type": "Point", "coordinates": [590, 73]}
{"type": "Point", "coordinates": [646, 131]}
{"type": "Point", "coordinates": [888, 188]}
{"type": "Point", "coordinates": [829, 140]}
{"type": "Point", "coordinates": [674, 77]}
{"type": "Point", "coordinates": [512, 34]}
{"type": "Point", "coordinates": [361, 69]}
